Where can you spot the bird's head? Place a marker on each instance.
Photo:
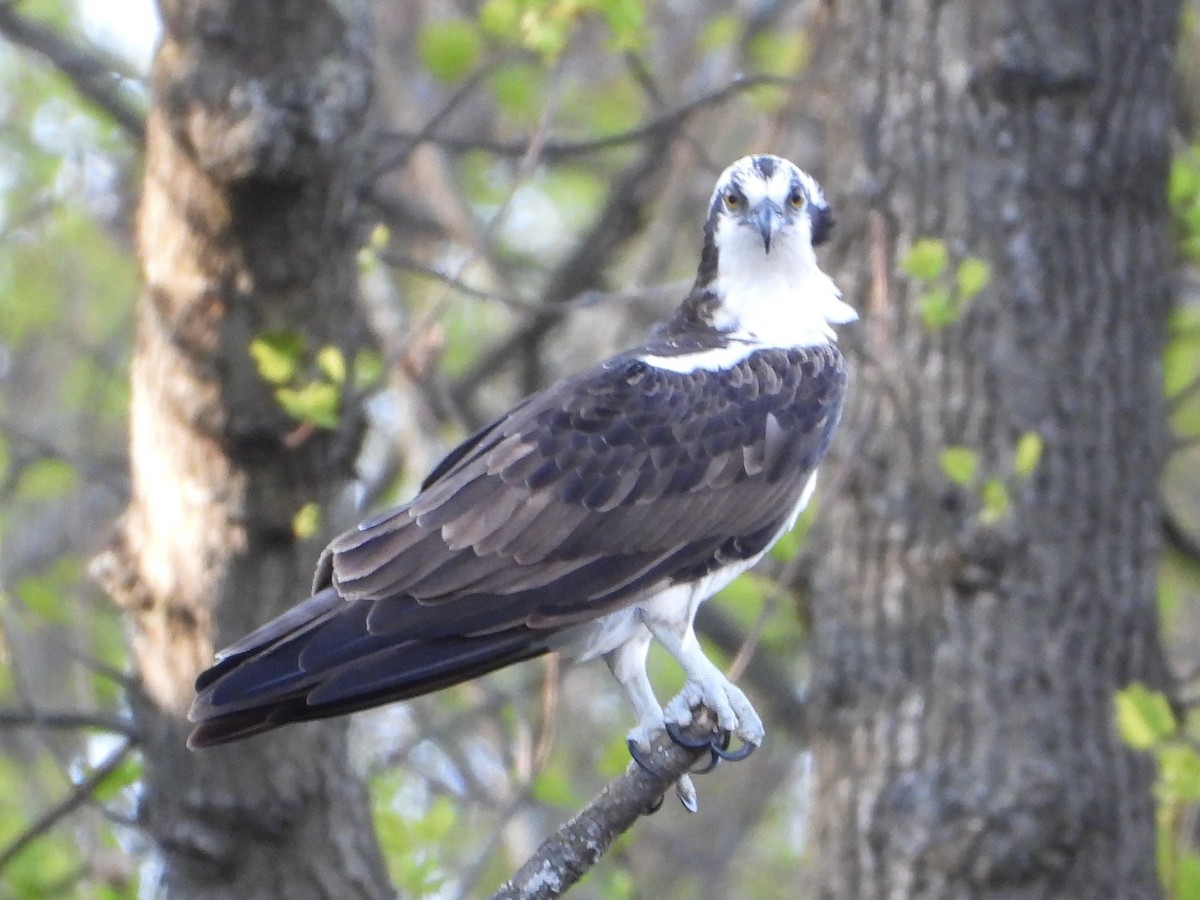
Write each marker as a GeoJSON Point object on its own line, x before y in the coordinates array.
{"type": "Point", "coordinates": [767, 203]}
{"type": "Point", "coordinates": [758, 264]}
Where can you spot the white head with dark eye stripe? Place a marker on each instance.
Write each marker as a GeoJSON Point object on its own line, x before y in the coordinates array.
{"type": "Point", "coordinates": [771, 197]}
{"type": "Point", "coordinates": [765, 217]}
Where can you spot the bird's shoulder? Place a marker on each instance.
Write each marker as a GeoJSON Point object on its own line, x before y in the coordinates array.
{"type": "Point", "coordinates": [672, 400]}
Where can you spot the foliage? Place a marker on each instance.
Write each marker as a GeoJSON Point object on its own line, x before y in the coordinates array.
{"type": "Point", "coordinates": [1146, 722]}
{"type": "Point", "coordinates": [309, 386]}
{"type": "Point", "coordinates": [942, 300]}
{"type": "Point", "coordinates": [962, 467]}
{"type": "Point", "coordinates": [582, 70]}
{"type": "Point", "coordinates": [66, 284]}
{"type": "Point", "coordinates": [467, 271]}
{"type": "Point", "coordinates": [1183, 193]}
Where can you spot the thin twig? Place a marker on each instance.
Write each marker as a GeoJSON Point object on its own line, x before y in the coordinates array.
{"type": "Point", "coordinates": [398, 156]}
{"type": "Point", "coordinates": [1182, 396]}
{"type": "Point", "coordinates": [408, 264]}
{"type": "Point", "coordinates": [35, 718]}
{"type": "Point", "coordinates": [80, 795]}
{"type": "Point", "coordinates": [85, 68]}
{"type": "Point", "coordinates": [553, 151]}
{"type": "Point", "coordinates": [1179, 539]}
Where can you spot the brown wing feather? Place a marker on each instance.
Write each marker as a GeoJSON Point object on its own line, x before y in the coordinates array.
{"type": "Point", "coordinates": [624, 467]}
{"type": "Point", "coordinates": [580, 501]}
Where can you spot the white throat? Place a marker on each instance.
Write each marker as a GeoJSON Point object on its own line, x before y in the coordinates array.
{"type": "Point", "coordinates": [776, 299]}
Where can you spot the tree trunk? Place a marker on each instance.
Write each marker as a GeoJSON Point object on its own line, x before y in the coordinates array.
{"type": "Point", "coordinates": [966, 654]}
{"type": "Point", "coordinates": [248, 226]}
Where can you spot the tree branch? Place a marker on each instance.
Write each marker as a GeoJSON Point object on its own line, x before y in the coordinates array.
{"type": "Point", "coordinates": [1178, 538]}
{"type": "Point", "coordinates": [570, 852]}
{"type": "Point", "coordinates": [80, 795]}
{"type": "Point", "coordinates": [553, 151]}
{"type": "Point", "coordinates": [398, 156]}
{"type": "Point", "coordinates": [33, 718]}
{"type": "Point", "coordinates": [84, 67]}
{"type": "Point", "coordinates": [623, 216]}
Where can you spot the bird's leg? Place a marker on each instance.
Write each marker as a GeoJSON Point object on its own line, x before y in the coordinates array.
{"type": "Point", "coordinates": [706, 686]}
{"type": "Point", "coordinates": [628, 665]}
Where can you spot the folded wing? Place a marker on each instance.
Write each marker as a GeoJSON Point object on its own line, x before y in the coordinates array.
{"type": "Point", "coordinates": [582, 500]}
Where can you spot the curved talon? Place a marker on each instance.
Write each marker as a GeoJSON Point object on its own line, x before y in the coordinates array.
{"type": "Point", "coordinates": [686, 792]}
{"type": "Point", "coordinates": [713, 759]}
{"type": "Point", "coordinates": [680, 737]}
{"type": "Point", "coordinates": [714, 745]}
{"type": "Point", "coordinates": [639, 756]}
{"type": "Point", "coordinates": [656, 805]}
{"type": "Point", "coordinates": [734, 755]}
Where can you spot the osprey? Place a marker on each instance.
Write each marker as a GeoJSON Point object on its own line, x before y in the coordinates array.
{"type": "Point", "coordinates": [594, 516]}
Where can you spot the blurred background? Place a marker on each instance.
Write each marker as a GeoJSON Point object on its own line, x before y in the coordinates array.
{"type": "Point", "coordinates": [493, 262]}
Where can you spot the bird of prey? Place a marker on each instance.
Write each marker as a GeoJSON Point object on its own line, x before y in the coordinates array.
{"type": "Point", "coordinates": [595, 515]}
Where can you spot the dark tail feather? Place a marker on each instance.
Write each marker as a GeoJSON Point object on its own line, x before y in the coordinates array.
{"type": "Point", "coordinates": [319, 660]}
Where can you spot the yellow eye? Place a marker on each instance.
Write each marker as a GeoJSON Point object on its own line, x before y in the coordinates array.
{"type": "Point", "coordinates": [733, 200]}
{"type": "Point", "coordinates": [796, 199]}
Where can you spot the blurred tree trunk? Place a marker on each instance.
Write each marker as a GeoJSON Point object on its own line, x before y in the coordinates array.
{"type": "Point", "coordinates": [248, 225]}
{"type": "Point", "coordinates": [965, 661]}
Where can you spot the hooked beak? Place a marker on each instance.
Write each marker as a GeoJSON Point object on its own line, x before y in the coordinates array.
{"type": "Point", "coordinates": [767, 218]}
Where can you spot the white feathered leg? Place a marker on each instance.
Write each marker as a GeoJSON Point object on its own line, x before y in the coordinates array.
{"type": "Point", "coordinates": [628, 665]}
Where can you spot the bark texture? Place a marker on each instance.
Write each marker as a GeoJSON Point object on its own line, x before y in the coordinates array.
{"type": "Point", "coordinates": [248, 225]}
{"type": "Point", "coordinates": [964, 668]}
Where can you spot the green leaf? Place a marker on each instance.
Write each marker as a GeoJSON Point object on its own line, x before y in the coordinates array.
{"type": "Point", "coordinates": [41, 597]}
{"type": "Point", "coordinates": [501, 19]}
{"type": "Point", "coordinates": [46, 479]}
{"type": "Point", "coordinates": [1144, 717]}
{"type": "Point", "coordinates": [780, 53]}
{"type": "Point", "coordinates": [926, 259]}
{"type": "Point", "coordinates": [127, 773]}
{"type": "Point", "coordinates": [48, 594]}
{"type": "Point", "coordinates": [1183, 194]}
{"type": "Point", "coordinates": [368, 254]}
{"type": "Point", "coordinates": [627, 21]}
{"type": "Point", "coordinates": [1179, 774]}
{"type": "Point", "coordinates": [611, 109]}
{"type": "Point", "coordinates": [959, 464]}
{"type": "Point", "coordinates": [972, 277]}
{"type": "Point", "coordinates": [307, 520]}
{"type": "Point", "coordinates": [449, 48]}
{"type": "Point", "coordinates": [518, 89]}
{"type": "Point", "coordinates": [1187, 876]}
{"type": "Point", "coordinates": [1028, 454]}
{"type": "Point", "coordinates": [1183, 184]}
{"type": "Point", "coordinates": [368, 368]}
{"type": "Point", "coordinates": [719, 31]}
{"type": "Point", "coordinates": [937, 308]}
{"type": "Point", "coordinates": [766, 98]}
{"type": "Point", "coordinates": [277, 355]}
{"type": "Point", "coordinates": [316, 403]}
{"type": "Point", "coordinates": [994, 495]}
{"type": "Point", "coordinates": [332, 362]}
